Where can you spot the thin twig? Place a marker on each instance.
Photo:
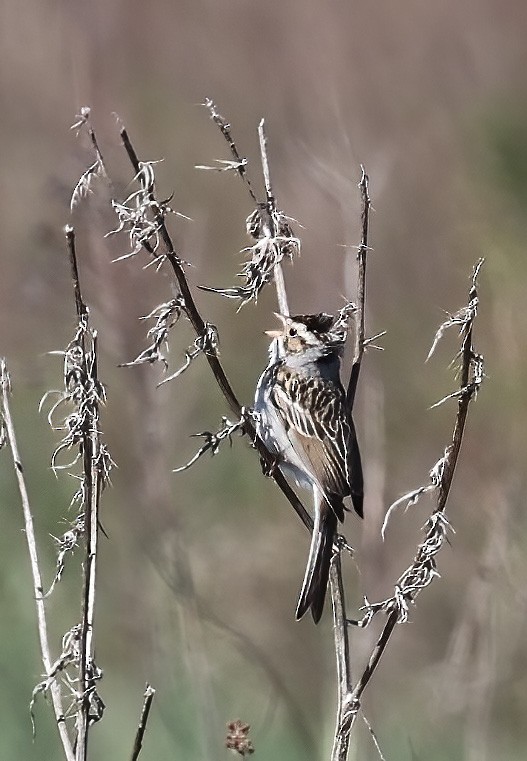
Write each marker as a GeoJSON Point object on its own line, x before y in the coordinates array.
{"type": "Point", "coordinates": [239, 163]}
{"type": "Point", "coordinates": [96, 169]}
{"type": "Point", "coordinates": [373, 661]}
{"type": "Point", "coordinates": [361, 289]}
{"type": "Point", "coordinates": [54, 686]}
{"type": "Point", "coordinates": [467, 392]}
{"type": "Point", "coordinates": [374, 738]}
{"type": "Point", "coordinates": [281, 294]}
{"type": "Point", "coordinates": [143, 719]}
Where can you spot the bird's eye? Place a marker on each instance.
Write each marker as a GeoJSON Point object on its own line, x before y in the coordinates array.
{"type": "Point", "coordinates": [293, 332]}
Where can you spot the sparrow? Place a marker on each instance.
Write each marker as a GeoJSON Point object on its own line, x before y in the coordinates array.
{"type": "Point", "coordinates": [304, 420]}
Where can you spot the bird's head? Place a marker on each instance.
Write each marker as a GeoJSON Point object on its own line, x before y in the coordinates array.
{"type": "Point", "coordinates": [304, 332]}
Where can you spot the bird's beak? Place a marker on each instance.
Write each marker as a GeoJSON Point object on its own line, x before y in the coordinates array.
{"type": "Point", "coordinates": [276, 333]}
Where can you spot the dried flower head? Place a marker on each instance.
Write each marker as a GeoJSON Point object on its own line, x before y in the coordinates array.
{"type": "Point", "coordinates": [274, 241]}
{"type": "Point", "coordinates": [238, 738]}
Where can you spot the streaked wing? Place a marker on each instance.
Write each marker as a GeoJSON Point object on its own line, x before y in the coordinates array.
{"type": "Point", "coordinates": [316, 421]}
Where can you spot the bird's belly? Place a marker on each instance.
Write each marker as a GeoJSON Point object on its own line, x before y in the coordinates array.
{"type": "Point", "coordinates": [293, 471]}
{"type": "Point", "coordinates": [272, 432]}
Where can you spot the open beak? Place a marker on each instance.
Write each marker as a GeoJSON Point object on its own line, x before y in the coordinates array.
{"type": "Point", "coordinates": [277, 333]}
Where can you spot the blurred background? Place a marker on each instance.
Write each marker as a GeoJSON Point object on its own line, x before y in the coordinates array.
{"type": "Point", "coordinates": [200, 572]}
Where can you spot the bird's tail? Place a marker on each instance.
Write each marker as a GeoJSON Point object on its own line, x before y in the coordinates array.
{"type": "Point", "coordinates": [313, 592]}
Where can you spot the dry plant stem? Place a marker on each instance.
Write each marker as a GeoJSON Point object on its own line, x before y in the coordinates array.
{"type": "Point", "coordinates": [467, 392]}
{"type": "Point", "coordinates": [342, 653]}
{"type": "Point", "coordinates": [225, 129]}
{"type": "Point", "coordinates": [361, 289]}
{"type": "Point", "coordinates": [281, 294]}
{"type": "Point", "coordinates": [217, 369]}
{"type": "Point", "coordinates": [143, 719]}
{"type": "Point", "coordinates": [467, 354]}
{"type": "Point", "coordinates": [55, 690]}
{"type": "Point", "coordinates": [91, 451]}
{"type": "Point", "coordinates": [349, 702]}
{"type": "Point", "coordinates": [93, 492]}
{"type": "Point", "coordinates": [340, 625]}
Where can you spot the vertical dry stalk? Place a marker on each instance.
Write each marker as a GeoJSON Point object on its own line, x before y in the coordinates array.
{"type": "Point", "coordinates": [361, 289]}
{"type": "Point", "coordinates": [342, 655]}
{"type": "Point", "coordinates": [95, 468]}
{"type": "Point", "coordinates": [278, 274]}
{"type": "Point", "coordinates": [340, 622]}
{"type": "Point", "coordinates": [55, 688]}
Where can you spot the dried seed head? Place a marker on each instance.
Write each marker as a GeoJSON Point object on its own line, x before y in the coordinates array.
{"type": "Point", "coordinates": [238, 738]}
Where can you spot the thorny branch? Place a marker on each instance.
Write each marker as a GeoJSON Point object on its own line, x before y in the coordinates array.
{"type": "Point", "coordinates": [423, 570]}
{"type": "Point", "coordinates": [7, 427]}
